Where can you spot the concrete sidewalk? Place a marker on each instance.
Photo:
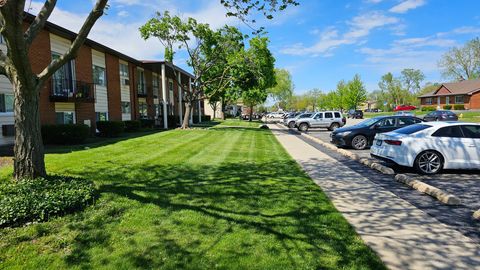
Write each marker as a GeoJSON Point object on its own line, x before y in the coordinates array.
{"type": "Point", "coordinates": [402, 235]}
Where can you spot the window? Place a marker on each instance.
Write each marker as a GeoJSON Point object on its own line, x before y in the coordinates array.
{"type": "Point", "coordinates": [412, 129]}
{"type": "Point", "coordinates": [102, 116]}
{"type": "Point", "coordinates": [428, 101]}
{"type": "Point", "coordinates": [406, 121]}
{"type": "Point", "coordinates": [142, 109]}
{"type": "Point", "coordinates": [6, 103]}
{"type": "Point", "coordinates": [318, 116]}
{"type": "Point", "coordinates": [328, 115]}
{"type": "Point", "coordinates": [63, 78]}
{"type": "Point", "coordinates": [387, 123]}
{"type": "Point", "coordinates": [447, 100]}
{"type": "Point", "coordinates": [471, 131]}
{"type": "Point", "coordinates": [459, 100]}
{"type": "Point", "coordinates": [64, 118]}
{"type": "Point", "coordinates": [155, 84]}
{"type": "Point", "coordinates": [126, 107]}
{"type": "Point", "coordinates": [305, 115]}
{"type": "Point", "coordinates": [99, 76]}
{"type": "Point", "coordinates": [451, 132]}
{"type": "Point", "coordinates": [337, 115]}
{"type": "Point", "coordinates": [123, 70]}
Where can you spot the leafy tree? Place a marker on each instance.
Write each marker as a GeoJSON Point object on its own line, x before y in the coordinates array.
{"type": "Point", "coordinates": [27, 84]}
{"type": "Point", "coordinates": [356, 93]}
{"type": "Point", "coordinates": [339, 96]}
{"type": "Point", "coordinates": [462, 63]}
{"type": "Point", "coordinates": [411, 79]}
{"type": "Point", "coordinates": [258, 74]}
{"type": "Point", "coordinates": [283, 90]}
{"type": "Point", "coordinates": [391, 88]}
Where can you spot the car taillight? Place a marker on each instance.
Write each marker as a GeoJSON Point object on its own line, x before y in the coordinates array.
{"type": "Point", "coordinates": [393, 142]}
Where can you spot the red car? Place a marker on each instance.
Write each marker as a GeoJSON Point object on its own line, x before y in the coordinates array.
{"type": "Point", "coordinates": [404, 108]}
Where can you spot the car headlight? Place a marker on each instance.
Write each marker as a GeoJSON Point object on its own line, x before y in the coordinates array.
{"type": "Point", "coordinates": [343, 134]}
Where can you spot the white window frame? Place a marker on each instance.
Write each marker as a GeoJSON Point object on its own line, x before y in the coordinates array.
{"type": "Point", "coordinates": [124, 73]}
{"type": "Point", "coordinates": [104, 81]}
{"type": "Point", "coordinates": [97, 119]}
{"type": "Point", "coordinates": [170, 91]}
{"type": "Point", "coordinates": [463, 100]}
{"type": "Point", "coordinates": [123, 103]}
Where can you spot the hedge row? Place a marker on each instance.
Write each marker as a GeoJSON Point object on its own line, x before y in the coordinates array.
{"type": "Point", "coordinates": [42, 199]}
{"type": "Point", "coordinates": [65, 134]}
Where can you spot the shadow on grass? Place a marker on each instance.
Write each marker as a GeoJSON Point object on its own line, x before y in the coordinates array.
{"type": "Point", "coordinates": [210, 216]}
{"type": "Point", "coordinates": [95, 142]}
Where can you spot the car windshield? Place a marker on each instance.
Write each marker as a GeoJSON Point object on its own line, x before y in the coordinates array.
{"type": "Point", "coordinates": [412, 129]}
{"type": "Point", "coordinates": [368, 122]}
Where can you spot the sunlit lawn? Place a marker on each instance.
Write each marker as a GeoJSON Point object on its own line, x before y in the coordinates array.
{"type": "Point", "coordinates": [197, 199]}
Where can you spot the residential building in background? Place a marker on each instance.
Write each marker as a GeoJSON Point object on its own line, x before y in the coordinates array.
{"type": "Point", "coordinates": [466, 93]}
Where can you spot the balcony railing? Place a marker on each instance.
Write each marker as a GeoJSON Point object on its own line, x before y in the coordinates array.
{"type": "Point", "coordinates": [141, 89]}
{"type": "Point", "coordinates": [71, 91]}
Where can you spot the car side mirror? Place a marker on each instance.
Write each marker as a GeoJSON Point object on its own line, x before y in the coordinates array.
{"type": "Point", "coordinates": [376, 126]}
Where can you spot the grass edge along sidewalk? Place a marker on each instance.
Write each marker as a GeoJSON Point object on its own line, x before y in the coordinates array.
{"type": "Point", "coordinates": [194, 199]}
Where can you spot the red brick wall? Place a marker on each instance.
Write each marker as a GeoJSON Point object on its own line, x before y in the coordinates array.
{"type": "Point", "coordinates": [40, 56]}
{"type": "Point", "coordinates": [84, 72]}
{"type": "Point", "coordinates": [148, 82]}
{"type": "Point", "coordinates": [443, 102]}
{"type": "Point", "coordinates": [474, 101]}
{"type": "Point", "coordinates": [113, 87]}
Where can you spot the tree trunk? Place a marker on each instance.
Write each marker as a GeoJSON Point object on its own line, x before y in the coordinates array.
{"type": "Point", "coordinates": [29, 152]}
{"type": "Point", "coordinates": [251, 114]}
{"type": "Point", "coordinates": [222, 104]}
{"type": "Point", "coordinates": [186, 117]}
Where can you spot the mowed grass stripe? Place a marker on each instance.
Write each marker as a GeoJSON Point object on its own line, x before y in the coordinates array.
{"type": "Point", "coordinates": [197, 199]}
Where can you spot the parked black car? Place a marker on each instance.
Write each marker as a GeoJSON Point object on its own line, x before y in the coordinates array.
{"type": "Point", "coordinates": [355, 114]}
{"type": "Point", "coordinates": [441, 115]}
{"type": "Point", "coordinates": [361, 136]}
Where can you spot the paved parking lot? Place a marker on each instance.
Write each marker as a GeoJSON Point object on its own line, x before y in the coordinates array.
{"type": "Point", "coordinates": [463, 184]}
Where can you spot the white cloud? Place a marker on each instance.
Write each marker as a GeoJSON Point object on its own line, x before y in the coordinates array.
{"type": "Point", "coordinates": [407, 5]}
{"type": "Point", "coordinates": [359, 28]}
{"type": "Point", "coordinates": [122, 13]}
{"type": "Point", "coordinates": [373, 1]}
{"type": "Point", "coordinates": [120, 36]}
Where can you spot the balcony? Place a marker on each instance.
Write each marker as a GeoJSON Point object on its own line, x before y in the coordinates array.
{"type": "Point", "coordinates": [142, 90]}
{"type": "Point", "coordinates": [72, 91]}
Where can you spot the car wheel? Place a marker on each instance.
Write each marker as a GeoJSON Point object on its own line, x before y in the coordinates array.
{"type": "Point", "coordinates": [303, 127]}
{"type": "Point", "coordinates": [429, 162]}
{"type": "Point", "coordinates": [333, 126]}
{"type": "Point", "coordinates": [359, 142]}
{"type": "Point", "coordinates": [291, 124]}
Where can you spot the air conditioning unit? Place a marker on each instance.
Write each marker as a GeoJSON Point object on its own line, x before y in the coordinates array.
{"type": "Point", "coordinates": [126, 82]}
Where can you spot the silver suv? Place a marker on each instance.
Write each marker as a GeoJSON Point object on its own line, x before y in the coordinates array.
{"type": "Point", "coordinates": [290, 121]}
{"type": "Point", "coordinates": [330, 120]}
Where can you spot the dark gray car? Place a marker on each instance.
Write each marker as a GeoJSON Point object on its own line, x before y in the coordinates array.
{"type": "Point", "coordinates": [441, 115]}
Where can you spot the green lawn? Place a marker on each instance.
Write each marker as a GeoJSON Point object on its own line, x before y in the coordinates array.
{"type": "Point", "coordinates": [197, 199]}
{"type": "Point", "coordinates": [240, 123]}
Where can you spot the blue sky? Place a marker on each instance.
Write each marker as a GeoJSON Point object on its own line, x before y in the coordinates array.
{"type": "Point", "coordinates": [319, 42]}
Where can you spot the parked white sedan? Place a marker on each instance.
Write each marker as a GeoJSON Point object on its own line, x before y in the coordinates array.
{"type": "Point", "coordinates": [431, 147]}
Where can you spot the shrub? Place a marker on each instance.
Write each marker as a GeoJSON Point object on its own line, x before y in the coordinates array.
{"type": "Point", "coordinates": [459, 107]}
{"type": "Point", "coordinates": [173, 121]}
{"type": "Point", "coordinates": [447, 107]}
{"type": "Point", "coordinates": [147, 123]}
{"type": "Point", "coordinates": [110, 128]}
{"type": "Point", "coordinates": [206, 118]}
{"type": "Point", "coordinates": [428, 109]}
{"type": "Point", "coordinates": [65, 134]}
{"type": "Point", "coordinates": [41, 199]}
{"type": "Point", "coordinates": [132, 125]}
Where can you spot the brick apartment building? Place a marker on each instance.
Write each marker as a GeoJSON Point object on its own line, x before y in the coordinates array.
{"type": "Point", "coordinates": [100, 84]}
{"type": "Point", "coordinates": [466, 93]}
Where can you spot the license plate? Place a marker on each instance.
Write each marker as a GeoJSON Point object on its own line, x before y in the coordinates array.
{"type": "Point", "coordinates": [379, 142]}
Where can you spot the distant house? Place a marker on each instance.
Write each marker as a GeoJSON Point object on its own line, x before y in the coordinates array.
{"type": "Point", "coordinates": [465, 93]}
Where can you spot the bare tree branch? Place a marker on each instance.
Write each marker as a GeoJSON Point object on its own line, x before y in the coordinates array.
{"type": "Point", "coordinates": [96, 13]}
{"type": "Point", "coordinates": [39, 21]}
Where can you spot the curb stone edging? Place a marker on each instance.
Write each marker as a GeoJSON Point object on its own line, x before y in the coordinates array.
{"type": "Point", "coordinates": [476, 215]}
{"type": "Point", "coordinates": [437, 193]}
